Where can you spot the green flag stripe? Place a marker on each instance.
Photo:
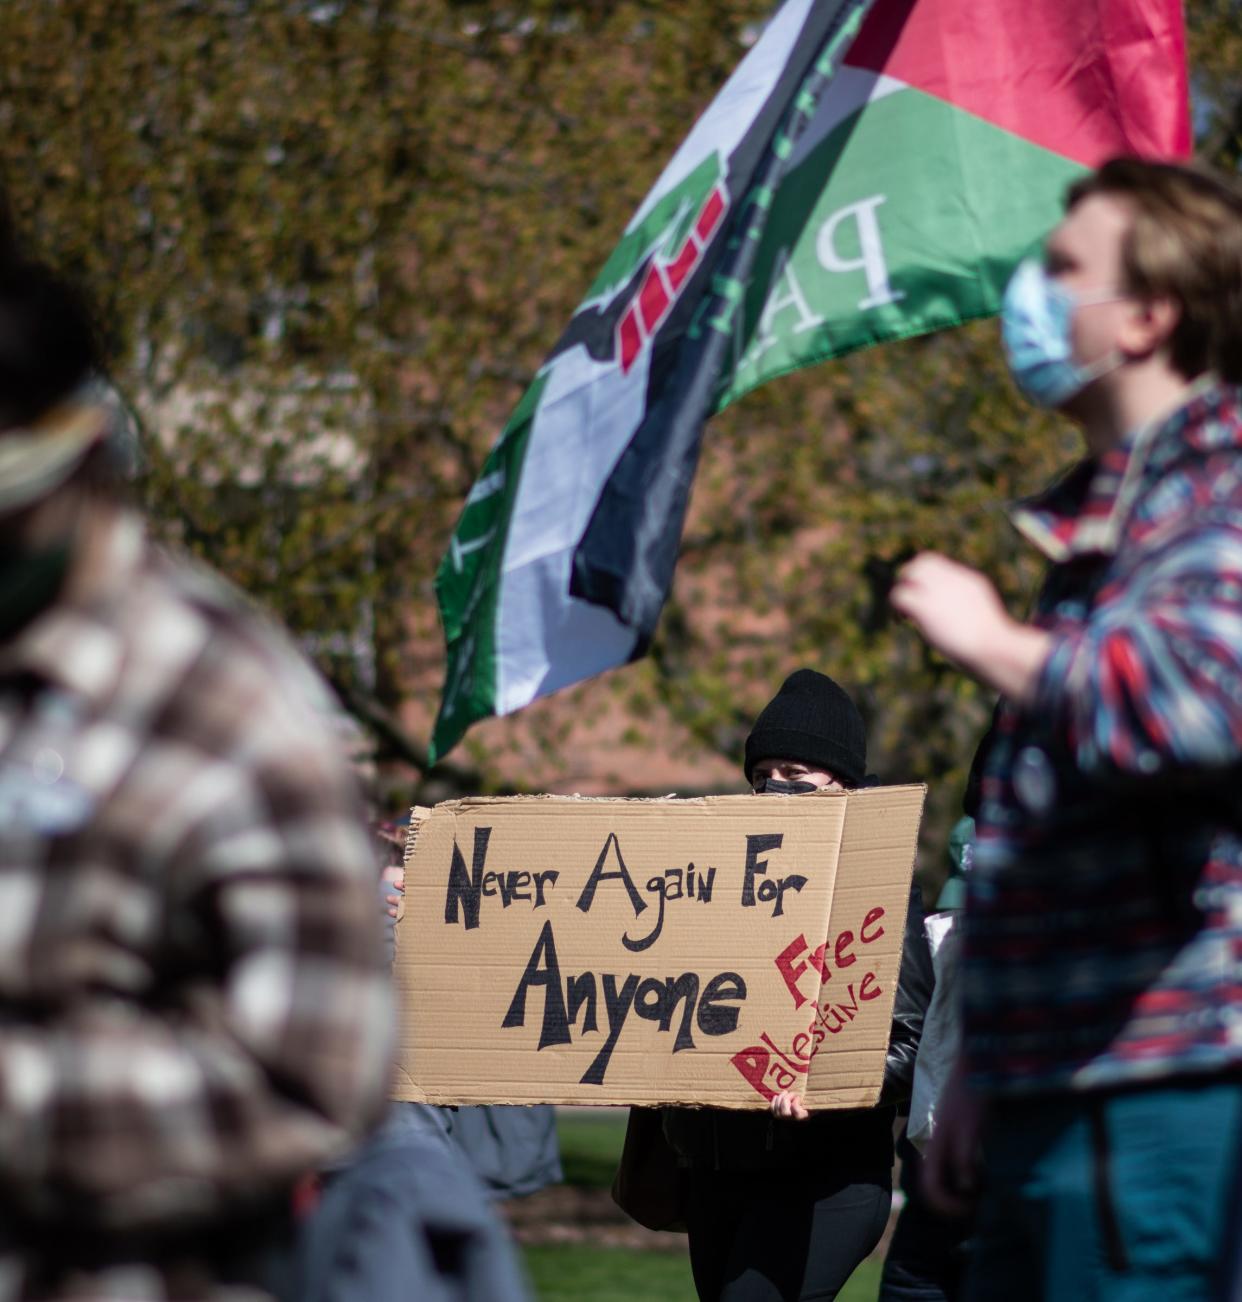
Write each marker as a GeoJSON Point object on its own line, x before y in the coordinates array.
{"type": "Point", "coordinates": [468, 582]}
{"type": "Point", "coordinates": [893, 226]}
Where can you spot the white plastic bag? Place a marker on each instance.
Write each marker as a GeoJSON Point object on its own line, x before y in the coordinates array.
{"type": "Point", "coordinates": [942, 1027]}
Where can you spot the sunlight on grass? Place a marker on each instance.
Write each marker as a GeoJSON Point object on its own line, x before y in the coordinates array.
{"type": "Point", "coordinates": [575, 1272]}
{"type": "Point", "coordinates": [581, 1273]}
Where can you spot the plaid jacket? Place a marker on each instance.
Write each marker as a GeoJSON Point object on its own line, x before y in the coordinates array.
{"type": "Point", "coordinates": [193, 1002]}
{"type": "Point", "coordinates": [1104, 914]}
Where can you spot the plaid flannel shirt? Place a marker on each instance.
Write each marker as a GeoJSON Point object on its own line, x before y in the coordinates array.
{"type": "Point", "coordinates": [1103, 940]}
{"type": "Point", "coordinates": [194, 1007]}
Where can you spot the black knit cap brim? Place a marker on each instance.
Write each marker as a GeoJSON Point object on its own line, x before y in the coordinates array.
{"type": "Point", "coordinates": [812, 721]}
{"type": "Point", "coordinates": [815, 752]}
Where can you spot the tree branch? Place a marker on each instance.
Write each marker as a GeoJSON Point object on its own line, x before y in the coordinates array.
{"type": "Point", "coordinates": [395, 738]}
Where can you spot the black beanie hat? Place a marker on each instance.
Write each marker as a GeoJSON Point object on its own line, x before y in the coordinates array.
{"type": "Point", "coordinates": [813, 721]}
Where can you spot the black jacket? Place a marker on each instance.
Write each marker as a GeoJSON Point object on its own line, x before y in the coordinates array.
{"type": "Point", "coordinates": [914, 991]}
{"type": "Point", "coordinates": [860, 1138]}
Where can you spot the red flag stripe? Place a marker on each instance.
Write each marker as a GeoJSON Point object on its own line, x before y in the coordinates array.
{"type": "Point", "coordinates": [1086, 80]}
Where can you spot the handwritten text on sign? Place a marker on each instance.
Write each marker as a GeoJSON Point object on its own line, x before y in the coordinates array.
{"type": "Point", "coordinates": [770, 1069]}
{"type": "Point", "coordinates": [708, 950]}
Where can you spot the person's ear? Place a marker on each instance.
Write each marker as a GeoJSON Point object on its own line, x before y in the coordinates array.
{"type": "Point", "coordinates": [1149, 326]}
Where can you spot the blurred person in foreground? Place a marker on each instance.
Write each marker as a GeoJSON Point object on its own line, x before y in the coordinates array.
{"type": "Point", "coordinates": [194, 1007]}
{"type": "Point", "coordinates": [1103, 941]}
{"type": "Point", "coordinates": [783, 1207]}
{"type": "Point", "coordinates": [404, 1215]}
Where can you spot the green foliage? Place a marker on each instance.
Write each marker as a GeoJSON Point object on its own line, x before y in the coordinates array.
{"type": "Point", "coordinates": [1214, 53]}
{"type": "Point", "coordinates": [855, 467]}
{"type": "Point", "coordinates": [331, 242]}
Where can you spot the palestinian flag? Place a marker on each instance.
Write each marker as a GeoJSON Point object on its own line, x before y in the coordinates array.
{"type": "Point", "coordinates": [873, 170]}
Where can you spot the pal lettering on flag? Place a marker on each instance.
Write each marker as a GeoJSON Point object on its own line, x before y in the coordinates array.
{"type": "Point", "coordinates": [873, 170]}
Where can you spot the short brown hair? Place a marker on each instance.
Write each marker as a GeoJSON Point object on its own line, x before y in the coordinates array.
{"type": "Point", "coordinates": [1184, 243]}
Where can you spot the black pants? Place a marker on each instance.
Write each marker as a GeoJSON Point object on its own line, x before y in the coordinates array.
{"type": "Point", "coordinates": [927, 1255]}
{"type": "Point", "coordinates": [776, 1236]}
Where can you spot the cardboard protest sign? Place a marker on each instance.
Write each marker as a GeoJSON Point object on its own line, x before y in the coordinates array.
{"type": "Point", "coordinates": [713, 951]}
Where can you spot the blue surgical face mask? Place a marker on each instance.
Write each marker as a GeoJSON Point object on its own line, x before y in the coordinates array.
{"type": "Point", "coordinates": [1036, 316]}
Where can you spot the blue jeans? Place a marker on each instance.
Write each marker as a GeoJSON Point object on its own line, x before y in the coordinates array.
{"type": "Point", "coordinates": [1119, 1197]}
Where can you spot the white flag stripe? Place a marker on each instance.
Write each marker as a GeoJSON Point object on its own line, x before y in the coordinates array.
{"type": "Point", "coordinates": [486, 487]}
{"type": "Point", "coordinates": [545, 638]}
{"type": "Point", "coordinates": [732, 113]}
{"type": "Point", "coordinates": [460, 550]}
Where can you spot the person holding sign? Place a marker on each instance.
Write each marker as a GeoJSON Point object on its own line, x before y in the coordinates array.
{"type": "Point", "coordinates": [1103, 921]}
{"type": "Point", "coordinates": [777, 1210]}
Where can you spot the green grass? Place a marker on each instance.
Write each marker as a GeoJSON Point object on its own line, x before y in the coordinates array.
{"type": "Point", "coordinates": [591, 1146]}
{"type": "Point", "coordinates": [577, 1272]}
{"type": "Point", "coordinates": [580, 1273]}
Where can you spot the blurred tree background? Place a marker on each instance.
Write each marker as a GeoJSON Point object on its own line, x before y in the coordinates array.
{"type": "Point", "coordinates": [329, 242]}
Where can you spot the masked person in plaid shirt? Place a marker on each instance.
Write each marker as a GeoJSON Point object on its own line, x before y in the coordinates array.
{"type": "Point", "coordinates": [194, 1006]}
{"type": "Point", "coordinates": [1103, 941]}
